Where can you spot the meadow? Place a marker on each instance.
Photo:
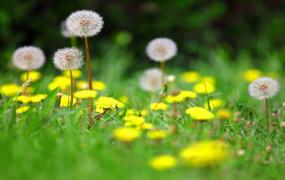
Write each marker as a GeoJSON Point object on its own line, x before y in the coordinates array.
{"type": "Point", "coordinates": [46, 135]}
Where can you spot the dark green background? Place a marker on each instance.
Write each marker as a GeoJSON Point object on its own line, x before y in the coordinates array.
{"type": "Point", "coordinates": [253, 26]}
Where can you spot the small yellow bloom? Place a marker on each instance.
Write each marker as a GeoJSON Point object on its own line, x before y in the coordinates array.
{"type": "Point", "coordinates": [191, 76]}
{"type": "Point", "coordinates": [157, 134]}
{"type": "Point", "coordinates": [22, 109]}
{"type": "Point", "coordinates": [187, 94]}
{"type": "Point", "coordinates": [208, 79]}
{"type": "Point", "coordinates": [126, 134]}
{"type": "Point", "coordinates": [174, 98]}
{"type": "Point", "coordinates": [103, 103]}
{"type": "Point", "coordinates": [33, 76]}
{"type": "Point", "coordinates": [224, 114]}
{"type": "Point", "coordinates": [22, 99]}
{"type": "Point", "coordinates": [38, 98]}
{"type": "Point", "coordinates": [147, 126]}
{"type": "Point", "coordinates": [163, 162]}
{"type": "Point", "coordinates": [251, 75]}
{"type": "Point", "coordinates": [205, 153]}
{"type": "Point", "coordinates": [133, 121]}
{"type": "Point", "coordinates": [60, 82]}
{"type": "Point", "coordinates": [199, 113]}
{"type": "Point", "coordinates": [158, 106]}
{"type": "Point", "coordinates": [204, 88]}
{"type": "Point", "coordinates": [214, 103]}
{"type": "Point", "coordinates": [85, 94]}
{"type": "Point", "coordinates": [96, 85]}
{"type": "Point", "coordinates": [124, 99]}
{"type": "Point", "coordinates": [9, 89]}
{"type": "Point", "coordinates": [65, 101]}
{"type": "Point", "coordinates": [75, 73]}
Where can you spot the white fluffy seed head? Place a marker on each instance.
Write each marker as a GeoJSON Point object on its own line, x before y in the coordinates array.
{"type": "Point", "coordinates": [161, 49]}
{"type": "Point", "coordinates": [84, 23]}
{"type": "Point", "coordinates": [64, 31]}
{"type": "Point", "coordinates": [68, 59]}
{"type": "Point", "coordinates": [263, 88]}
{"type": "Point", "coordinates": [151, 80]}
{"type": "Point", "coordinates": [28, 58]}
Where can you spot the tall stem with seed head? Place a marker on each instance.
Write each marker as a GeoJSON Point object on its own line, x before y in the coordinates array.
{"type": "Point", "coordinates": [88, 62]}
{"type": "Point", "coordinates": [266, 109]}
{"type": "Point", "coordinates": [25, 91]}
{"type": "Point", "coordinates": [71, 87]}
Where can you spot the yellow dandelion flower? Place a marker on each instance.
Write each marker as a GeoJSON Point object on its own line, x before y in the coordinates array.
{"type": "Point", "coordinates": [187, 94]}
{"type": "Point", "coordinates": [124, 99]}
{"type": "Point", "coordinates": [85, 94]}
{"type": "Point", "coordinates": [22, 99]}
{"type": "Point", "coordinates": [204, 88]}
{"type": "Point", "coordinates": [199, 113]}
{"type": "Point", "coordinates": [147, 126]}
{"type": "Point", "coordinates": [22, 109]}
{"type": "Point", "coordinates": [158, 106]}
{"type": "Point", "coordinates": [224, 114]}
{"type": "Point", "coordinates": [96, 85]}
{"type": "Point", "coordinates": [157, 134]}
{"type": "Point", "coordinates": [33, 76]}
{"type": "Point", "coordinates": [38, 98]}
{"type": "Point", "coordinates": [9, 90]}
{"type": "Point", "coordinates": [174, 98]}
{"type": "Point", "coordinates": [60, 82]}
{"type": "Point", "coordinates": [103, 103]}
{"type": "Point", "coordinates": [76, 73]}
{"type": "Point", "coordinates": [191, 76]}
{"type": "Point", "coordinates": [131, 112]}
{"type": "Point", "coordinates": [251, 75]}
{"type": "Point", "coordinates": [205, 153]}
{"type": "Point", "coordinates": [214, 103]}
{"type": "Point", "coordinates": [163, 162]}
{"type": "Point", "coordinates": [208, 79]}
{"type": "Point", "coordinates": [65, 101]}
{"type": "Point", "coordinates": [133, 120]}
{"type": "Point", "coordinates": [126, 134]}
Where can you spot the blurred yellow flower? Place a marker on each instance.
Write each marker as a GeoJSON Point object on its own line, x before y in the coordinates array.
{"type": "Point", "coordinates": [214, 103]}
{"type": "Point", "coordinates": [124, 99]}
{"type": "Point", "coordinates": [251, 75]}
{"type": "Point", "coordinates": [9, 89]}
{"type": "Point", "coordinates": [209, 79]}
{"type": "Point", "coordinates": [204, 88]}
{"type": "Point", "coordinates": [191, 76]}
{"type": "Point", "coordinates": [76, 73]}
{"type": "Point", "coordinates": [163, 162]}
{"type": "Point", "coordinates": [33, 76]}
{"type": "Point", "coordinates": [22, 109]}
{"type": "Point", "coordinates": [96, 85]}
{"type": "Point", "coordinates": [147, 126]}
{"type": "Point", "coordinates": [60, 82]}
{"type": "Point", "coordinates": [157, 134]}
{"type": "Point", "coordinates": [224, 114]}
{"type": "Point", "coordinates": [158, 106]}
{"type": "Point", "coordinates": [22, 99]}
{"type": "Point", "coordinates": [199, 113]}
{"type": "Point", "coordinates": [133, 120]}
{"type": "Point", "coordinates": [205, 153]}
{"type": "Point", "coordinates": [181, 96]}
{"type": "Point", "coordinates": [103, 103]}
{"type": "Point", "coordinates": [85, 94]}
{"type": "Point", "coordinates": [33, 99]}
{"type": "Point", "coordinates": [65, 101]}
{"type": "Point", "coordinates": [126, 134]}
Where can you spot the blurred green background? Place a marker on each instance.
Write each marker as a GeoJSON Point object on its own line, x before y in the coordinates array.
{"type": "Point", "coordinates": [254, 27]}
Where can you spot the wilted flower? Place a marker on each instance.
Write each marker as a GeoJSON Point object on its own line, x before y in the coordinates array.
{"type": "Point", "coordinates": [151, 80]}
{"type": "Point", "coordinates": [28, 58]}
{"type": "Point", "coordinates": [263, 88]}
{"type": "Point", "coordinates": [84, 23]}
{"type": "Point", "coordinates": [68, 59]}
{"type": "Point", "coordinates": [161, 49]}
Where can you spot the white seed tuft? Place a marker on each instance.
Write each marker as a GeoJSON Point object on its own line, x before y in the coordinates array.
{"type": "Point", "coordinates": [263, 88]}
{"type": "Point", "coordinates": [84, 23]}
{"type": "Point", "coordinates": [68, 59]}
{"type": "Point", "coordinates": [28, 58]}
{"type": "Point", "coordinates": [151, 80]}
{"type": "Point", "coordinates": [64, 31]}
{"type": "Point", "coordinates": [161, 49]}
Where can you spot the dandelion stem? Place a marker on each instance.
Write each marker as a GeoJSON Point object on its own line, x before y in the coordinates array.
{"type": "Point", "coordinates": [266, 106]}
{"type": "Point", "coordinates": [25, 91]}
{"type": "Point", "coordinates": [162, 68]}
{"type": "Point", "coordinates": [73, 41]}
{"type": "Point", "coordinates": [71, 87]}
{"type": "Point", "coordinates": [88, 62]}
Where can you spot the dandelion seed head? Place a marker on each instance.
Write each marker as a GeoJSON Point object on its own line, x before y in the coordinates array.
{"type": "Point", "coordinates": [161, 49]}
{"type": "Point", "coordinates": [64, 31]}
{"type": "Point", "coordinates": [151, 80]}
{"type": "Point", "coordinates": [68, 59]}
{"type": "Point", "coordinates": [263, 88]}
{"type": "Point", "coordinates": [84, 23]}
{"type": "Point", "coordinates": [28, 58]}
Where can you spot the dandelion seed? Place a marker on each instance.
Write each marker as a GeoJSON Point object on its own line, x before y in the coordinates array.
{"type": "Point", "coordinates": [263, 88]}
{"type": "Point", "coordinates": [161, 49]}
{"type": "Point", "coordinates": [28, 58]}
{"type": "Point", "coordinates": [84, 23]}
{"type": "Point", "coordinates": [65, 32]}
{"type": "Point", "coordinates": [151, 80]}
{"type": "Point", "coordinates": [68, 59]}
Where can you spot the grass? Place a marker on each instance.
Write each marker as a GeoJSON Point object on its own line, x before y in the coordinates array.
{"type": "Point", "coordinates": [52, 143]}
